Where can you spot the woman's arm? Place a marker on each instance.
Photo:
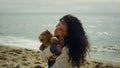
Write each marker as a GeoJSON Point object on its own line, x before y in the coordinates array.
{"type": "Point", "coordinates": [45, 54]}
{"type": "Point", "coordinates": [48, 52]}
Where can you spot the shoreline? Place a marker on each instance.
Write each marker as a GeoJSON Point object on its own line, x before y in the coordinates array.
{"type": "Point", "coordinates": [15, 57]}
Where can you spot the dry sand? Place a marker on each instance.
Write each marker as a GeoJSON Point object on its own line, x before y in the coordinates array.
{"type": "Point", "coordinates": [12, 57]}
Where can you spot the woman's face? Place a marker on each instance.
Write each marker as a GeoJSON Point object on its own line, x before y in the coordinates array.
{"type": "Point", "coordinates": [61, 30]}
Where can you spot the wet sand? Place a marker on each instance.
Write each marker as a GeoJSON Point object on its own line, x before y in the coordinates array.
{"type": "Point", "coordinates": [13, 57]}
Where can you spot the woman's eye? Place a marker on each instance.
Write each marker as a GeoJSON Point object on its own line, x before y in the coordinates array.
{"type": "Point", "coordinates": [61, 29]}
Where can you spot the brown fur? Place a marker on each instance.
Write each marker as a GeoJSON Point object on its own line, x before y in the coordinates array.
{"type": "Point", "coordinates": [47, 39]}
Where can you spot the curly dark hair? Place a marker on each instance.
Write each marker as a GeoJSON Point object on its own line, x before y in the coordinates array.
{"type": "Point", "coordinates": [76, 41]}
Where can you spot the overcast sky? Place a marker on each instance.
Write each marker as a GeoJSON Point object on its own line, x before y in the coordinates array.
{"type": "Point", "coordinates": [79, 6]}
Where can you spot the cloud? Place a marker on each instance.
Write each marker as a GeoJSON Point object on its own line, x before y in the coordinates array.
{"type": "Point", "coordinates": [36, 6]}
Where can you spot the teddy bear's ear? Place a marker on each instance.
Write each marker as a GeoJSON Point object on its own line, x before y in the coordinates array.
{"type": "Point", "coordinates": [54, 40]}
{"type": "Point", "coordinates": [47, 31]}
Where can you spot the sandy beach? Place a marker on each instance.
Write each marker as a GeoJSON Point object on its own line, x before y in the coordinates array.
{"type": "Point", "coordinates": [14, 57]}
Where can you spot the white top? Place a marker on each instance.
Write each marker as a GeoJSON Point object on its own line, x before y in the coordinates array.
{"type": "Point", "coordinates": [61, 60]}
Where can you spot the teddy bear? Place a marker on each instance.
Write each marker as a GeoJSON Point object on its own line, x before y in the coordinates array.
{"type": "Point", "coordinates": [47, 38]}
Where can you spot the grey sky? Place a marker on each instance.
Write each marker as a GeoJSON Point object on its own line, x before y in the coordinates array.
{"type": "Point", "coordinates": [79, 6]}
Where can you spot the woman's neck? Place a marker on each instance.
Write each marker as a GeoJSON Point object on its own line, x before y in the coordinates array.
{"type": "Point", "coordinates": [61, 41]}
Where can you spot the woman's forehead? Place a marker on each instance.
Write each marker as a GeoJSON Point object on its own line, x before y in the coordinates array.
{"type": "Point", "coordinates": [64, 26]}
{"type": "Point", "coordinates": [63, 23]}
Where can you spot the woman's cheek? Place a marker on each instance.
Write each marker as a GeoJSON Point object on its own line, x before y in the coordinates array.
{"type": "Point", "coordinates": [56, 32]}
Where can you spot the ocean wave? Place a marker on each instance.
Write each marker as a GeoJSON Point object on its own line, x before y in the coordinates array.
{"type": "Point", "coordinates": [19, 42]}
{"type": "Point", "coordinates": [108, 49]}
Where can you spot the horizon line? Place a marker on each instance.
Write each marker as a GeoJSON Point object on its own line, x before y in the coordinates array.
{"type": "Point", "coordinates": [59, 13]}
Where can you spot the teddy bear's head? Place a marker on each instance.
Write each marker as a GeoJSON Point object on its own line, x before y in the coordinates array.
{"type": "Point", "coordinates": [45, 36]}
{"type": "Point", "coordinates": [47, 39]}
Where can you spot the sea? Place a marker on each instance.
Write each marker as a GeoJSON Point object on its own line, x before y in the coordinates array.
{"type": "Point", "coordinates": [103, 30]}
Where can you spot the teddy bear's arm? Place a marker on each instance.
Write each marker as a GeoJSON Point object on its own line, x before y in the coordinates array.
{"type": "Point", "coordinates": [42, 47]}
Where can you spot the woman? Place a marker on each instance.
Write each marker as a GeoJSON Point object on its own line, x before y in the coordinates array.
{"type": "Point", "coordinates": [73, 44]}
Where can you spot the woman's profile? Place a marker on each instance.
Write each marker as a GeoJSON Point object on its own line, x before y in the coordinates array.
{"type": "Point", "coordinates": [73, 44]}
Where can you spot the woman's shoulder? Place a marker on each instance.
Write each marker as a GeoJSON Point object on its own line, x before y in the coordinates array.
{"type": "Point", "coordinates": [64, 53]}
{"type": "Point", "coordinates": [62, 59]}
{"type": "Point", "coordinates": [64, 49]}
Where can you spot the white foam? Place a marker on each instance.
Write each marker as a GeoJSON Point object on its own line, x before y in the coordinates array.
{"type": "Point", "coordinates": [19, 42]}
